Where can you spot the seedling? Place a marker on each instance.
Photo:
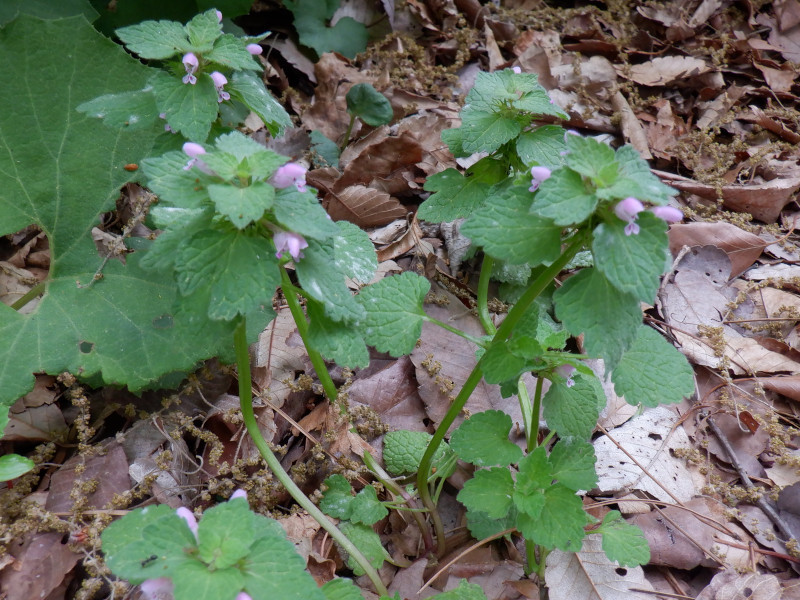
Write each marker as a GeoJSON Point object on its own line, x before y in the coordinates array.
{"type": "Point", "coordinates": [367, 104]}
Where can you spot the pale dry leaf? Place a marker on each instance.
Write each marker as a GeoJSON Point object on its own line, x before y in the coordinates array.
{"type": "Point", "coordinates": [649, 438]}
{"type": "Point", "coordinates": [730, 585]}
{"type": "Point", "coordinates": [589, 575]}
{"type": "Point", "coordinates": [616, 410]}
{"type": "Point", "coordinates": [276, 362]}
{"type": "Point", "coordinates": [665, 69]}
{"type": "Point", "coordinates": [631, 126]}
{"type": "Point", "coordinates": [713, 110]}
{"type": "Point", "coordinates": [704, 12]}
{"type": "Point", "coordinates": [780, 272]}
{"type": "Point", "coordinates": [743, 248]}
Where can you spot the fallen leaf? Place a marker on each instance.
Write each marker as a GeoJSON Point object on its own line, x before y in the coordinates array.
{"type": "Point", "coordinates": [665, 69]}
{"type": "Point", "coordinates": [363, 206]}
{"type": "Point", "coordinates": [742, 248]}
{"type": "Point", "coordinates": [43, 560]}
{"type": "Point", "coordinates": [729, 584]}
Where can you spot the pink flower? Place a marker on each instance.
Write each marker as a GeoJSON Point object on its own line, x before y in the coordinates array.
{"type": "Point", "coordinates": [219, 82]}
{"type": "Point", "coordinates": [240, 493]}
{"type": "Point", "coordinates": [288, 174]}
{"type": "Point", "coordinates": [517, 70]}
{"type": "Point", "coordinates": [254, 49]}
{"type": "Point", "coordinates": [668, 213]}
{"type": "Point", "coordinates": [628, 210]}
{"type": "Point", "coordinates": [157, 589]}
{"type": "Point", "coordinates": [567, 371]}
{"type": "Point", "coordinates": [243, 596]}
{"type": "Point", "coordinates": [219, 16]}
{"type": "Point", "coordinates": [188, 516]}
{"type": "Point", "coordinates": [538, 174]}
{"type": "Point", "coordinates": [193, 151]}
{"type": "Point", "coordinates": [293, 242]}
{"type": "Point", "coordinates": [190, 63]}
{"type": "Point", "coordinates": [166, 125]}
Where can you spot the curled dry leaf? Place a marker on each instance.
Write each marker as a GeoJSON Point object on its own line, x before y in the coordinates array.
{"type": "Point", "coordinates": [364, 206]}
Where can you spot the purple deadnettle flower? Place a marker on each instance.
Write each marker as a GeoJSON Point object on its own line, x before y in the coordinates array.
{"type": "Point", "coordinates": [567, 371]}
{"type": "Point", "coordinates": [243, 596]}
{"type": "Point", "coordinates": [628, 210]}
{"type": "Point", "coordinates": [517, 70]}
{"type": "Point", "coordinates": [193, 151]}
{"type": "Point", "coordinates": [240, 493]}
{"type": "Point", "coordinates": [190, 63]}
{"type": "Point", "coordinates": [219, 82]}
{"type": "Point", "coordinates": [288, 174]}
{"type": "Point", "coordinates": [219, 16]}
{"type": "Point", "coordinates": [254, 49]}
{"type": "Point", "coordinates": [160, 588]}
{"type": "Point", "coordinates": [669, 213]}
{"type": "Point", "coordinates": [538, 175]}
{"type": "Point", "coordinates": [188, 516]}
{"type": "Point", "coordinates": [293, 242]}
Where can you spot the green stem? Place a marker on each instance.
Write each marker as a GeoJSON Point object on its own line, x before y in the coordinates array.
{"type": "Point", "coordinates": [474, 378]}
{"type": "Point", "coordinates": [302, 327]}
{"type": "Point", "coordinates": [451, 329]}
{"type": "Point", "coordinates": [542, 566]}
{"type": "Point", "coordinates": [483, 295]}
{"type": "Point", "coordinates": [347, 133]}
{"type": "Point", "coordinates": [530, 553]}
{"type": "Point", "coordinates": [246, 402]}
{"type": "Point", "coordinates": [30, 295]}
{"type": "Point", "coordinates": [537, 411]}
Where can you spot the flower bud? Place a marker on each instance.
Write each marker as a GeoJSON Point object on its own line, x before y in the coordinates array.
{"type": "Point", "coordinates": [240, 493]}
{"type": "Point", "coordinates": [254, 49]}
{"type": "Point", "coordinates": [219, 16]}
{"type": "Point", "coordinates": [669, 213]}
{"type": "Point", "coordinates": [188, 516]}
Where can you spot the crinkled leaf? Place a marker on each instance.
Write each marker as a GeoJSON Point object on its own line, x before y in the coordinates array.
{"type": "Point", "coordinates": [325, 283]}
{"type": "Point", "coordinates": [564, 198]}
{"type": "Point", "coordinates": [573, 411]}
{"type": "Point", "coordinates": [572, 463]}
{"type": "Point", "coordinates": [506, 361]}
{"type": "Point", "coordinates": [636, 179]}
{"type": "Point", "coordinates": [155, 39]}
{"type": "Point", "coordinates": [489, 491]}
{"type": "Point", "coordinates": [455, 195]}
{"type": "Point", "coordinates": [542, 146]}
{"type": "Point", "coordinates": [230, 52]}
{"type": "Point", "coordinates": [537, 323]}
{"type": "Point", "coordinates": [632, 263]}
{"type": "Point", "coordinates": [14, 465]}
{"type": "Point", "coordinates": [533, 478]}
{"type": "Point", "coordinates": [522, 90]}
{"type": "Point", "coordinates": [225, 533]}
{"type": "Point", "coordinates": [335, 340]}
{"type": "Point", "coordinates": [506, 230]}
{"type": "Point", "coordinates": [366, 508]}
{"type": "Point", "coordinates": [560, 523]}
{"type": "Point", "coordinates": [301, 213]}
{"type": "Point", "coordinates": [175, 185]}
{"type": "Point", "coordinates": [486, 131]}
{"type": "Point", "coordinates": [126, 110]}
{"type": "Point", "coordinates": [482, 526]}
{"type": "Point", "coordinates": [354, 254]}
{"type": "Point", "coordinates": [341, 588]}
{"type": "Point", "coordinates": [368, 542]}
{"type": "Point", "coordinates": [483, 440]}
{"type": "Point", "coordinates": [369, 105]}
{"type": "Point", "coordinates": [190, 109]}
{"type": "Point", "coordinates": [587, 303]}
{"type": "Point", "coordinates": [250, 91]}
{"type": "Point", "coordinates": [394, 312]}
{"type": "Point", "coordinates": [241, 271]}
{"type": "Point", "coordinates": [242, 205]}
{"type": "Point", "coordinates": [163, 252]}
{"type": "Point", "coordinates": [337, 500]}
{"type": "Point", "coordinates": [203, 30]}
{"type": "Point", "coordinates": [623, 542]}
{"type": "Point", "coordinates": [464, 591]}
{"type": "Point", "coordinates": [592, 159]}
{"type": "Point", "coordinates": [194, 581]}
{"type": "Point", "coordinates": [403, 450]}
{"type": "Point", "coordinates": [273, 568]}
{"type": "Point", "coordinates": [652, 371]}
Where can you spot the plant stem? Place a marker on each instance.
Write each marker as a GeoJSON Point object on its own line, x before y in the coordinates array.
{"type": "Point", "coordinates": [302, 327]}
{"type": "Point", "coordinates": [30, 295]}
{"type": "Point", "coordinates": [543, 591]}
{"type": "Point", "coordinates": [483, 295]}
{"type": "Point", "coordinates": [537, 411]}
{"type": "Point", "coordinates": [474, 378]}
{"type": "Point", "coordinates": [246, 402]}
{"type": "Point", "coordinates": [451, 329]}
{"type": "Point", "coordinates": [530, 554]}
{"type": "Point", "coordinates": [346, 138]}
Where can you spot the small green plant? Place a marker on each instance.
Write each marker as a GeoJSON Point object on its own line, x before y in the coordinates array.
{"type": "Point", "coordinates": [347, 37]}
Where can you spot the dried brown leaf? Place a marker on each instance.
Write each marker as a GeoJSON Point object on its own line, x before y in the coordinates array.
{"type": "Point", "coordinates": [364, 206]}
{"type": "Point", "coordinates": [664, 70]}
{"type": "Point", "coordinates": [742, 248]}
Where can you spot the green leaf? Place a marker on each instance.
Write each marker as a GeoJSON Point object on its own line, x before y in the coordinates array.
{"type": "Point", "coordinates": [455, 195]}
{"type": "Point", "coordinates": [45, 9]}
{"type": "Point", "coordinates": [248, 89]}
{"type": "Point", "coordinates": [533, 478]}
{"type": "Point", "coordinates": [506, 230]}
{"type": "Point", "coordinates": [493, 91]}
{"type": "Point", "coordinates": [403, 450]}
{"type": "Point", "coordinates": [129, 548]}
{"type": "Point", "coordinates": [335, 340]}
{"type": "Point", "coordinates": [482, 526]}
{"type": "Point", "coordinates": [369, 105]}
{"type": "Point", "coordinates": [325, 152]}
{"type": "Point", "coordinates": [573, 411]}
{"type": "Point", "coordinates": [564, 198]}
{"type": "Point", "coordinates": [506, 361]}
{"type": "Point", "coordinates": [560, 523]}
{"type": "Point", "coordinates": [354, 254]}
{"type": "Point", "coordinates": [190, 109]}
{"type": "Point", "coordinates": [368, 542]}
{"type": "Point", "coordinates": [348, 37]}
{"type": "Point", "coordinates": [636, 179]}
{"type": "Point", "coordinates": [623, 542]}
{"type": "Point", "coordinates": [483, 440]}
{"type": "Point", "coordinates": [301, 213]}
{"type": "Point", "coordinates": [194, 581]}
{"type": "Point", "coordinates": [203, 30]}
{"type": "Point", "coordinates": [229, 51]}
{"type": "Point", "coordinates": [537, 323]}
{"type": "Point", "coordinates": [240, 270]}
{"type": "Point", "coordinates": [542, 146]}
{"type": "Point", "coordinates": [14, 465]}
{"type": "Point", "coordinates": [225, 533]}
{"type": "Point", "coordinates": [341, 588]}
{"type": "Point", "coordinates": [62, 187]}
{"type": "Point", "coordinates": [587, 303]}
{"type": "Point", "coordinates": [175, 186]}
{"type": "Point", "coordinates": [489, 491]}
{"type": "Point", "coordinates": [394, 312]}
{"type": "Point", "coordinates": [242, 205]}
{"type": "Point", "coordinates": [337, 500]}
{"type": "Point", "coordinates": [592, 159]}
{"type": "Point", "coordinates": [326, 284]}
{"type": "Point", "coordinates": [273, 569]}
{"type": "Point", "coordinates": [652, 371]}
{"type": "Point", "coordinates": [156, 40]}
{"type": "Point", "coordinates": [486, 131]}
{"type": "Point", "coordinates": [632, 263]}
{"type": "Point", "coordinates": [127, 110]}
{"type": "Point", "coordinates": [464, 591]}
{"type": "Point", "coordinates": [366, 508]}
{"type": "Point", "coordinates": [572, 464]}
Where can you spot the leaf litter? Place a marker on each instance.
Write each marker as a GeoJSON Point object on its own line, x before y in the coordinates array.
{"type": "Point", "coordinates": [705, 89]}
